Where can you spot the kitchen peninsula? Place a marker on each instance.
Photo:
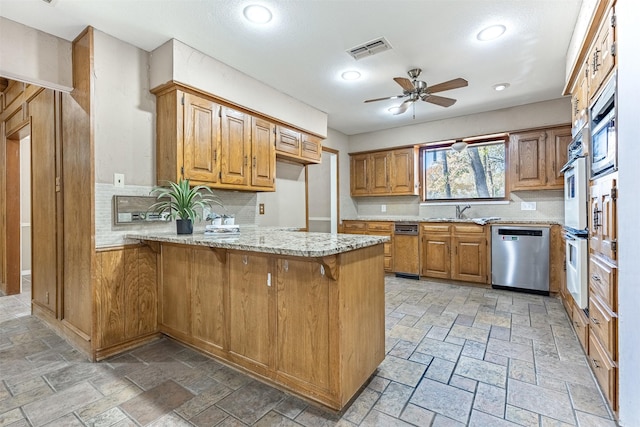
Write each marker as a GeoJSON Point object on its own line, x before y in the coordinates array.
{"type": "Point", "coordinates": [301, 310]}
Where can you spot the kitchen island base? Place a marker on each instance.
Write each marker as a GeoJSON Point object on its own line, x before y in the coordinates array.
{"type": "Point", "coordinates": [311, 325]}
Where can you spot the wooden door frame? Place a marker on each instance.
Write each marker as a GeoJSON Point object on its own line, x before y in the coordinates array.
{"type": "Point", "coordinates": [306, 185]}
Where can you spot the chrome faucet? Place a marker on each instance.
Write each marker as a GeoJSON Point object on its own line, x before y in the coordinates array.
{"type": "Point", "coordinates": [459, 211]}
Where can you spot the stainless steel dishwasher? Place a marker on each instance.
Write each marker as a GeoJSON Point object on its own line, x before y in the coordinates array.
{"type": "Point", "coordinates": [406, 250]}
{"type": "Point", "coordinates": [520, 258]}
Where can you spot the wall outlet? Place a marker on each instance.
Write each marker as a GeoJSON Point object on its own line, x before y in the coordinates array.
{"type": "Point", "coordinates": [383, 208]}
{"type": "Point", "coordinates": [118, 179]}
{"type": "Point", "coordinates": [261, 208]}
{"type": "Point", "coordinates": [527, 206]}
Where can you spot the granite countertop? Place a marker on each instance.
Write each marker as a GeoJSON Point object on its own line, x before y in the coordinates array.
{"type": "Point", "coordinates": [481, 221]}
{"type": "Point", "coordinates": [277, 242]}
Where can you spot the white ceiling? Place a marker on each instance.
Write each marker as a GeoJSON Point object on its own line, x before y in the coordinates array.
{"type": "Point", "coordinates": [302, 51]}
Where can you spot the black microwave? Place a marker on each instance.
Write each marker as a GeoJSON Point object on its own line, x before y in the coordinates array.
{"type": "Point", "coordinates": [604, 141]}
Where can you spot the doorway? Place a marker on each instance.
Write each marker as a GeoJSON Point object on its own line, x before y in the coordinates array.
{"type": "Point", "coordinates": [323, 194]}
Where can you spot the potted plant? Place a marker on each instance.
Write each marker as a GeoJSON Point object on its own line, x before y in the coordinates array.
{"type": "Point", "coordinates": [183, 202]}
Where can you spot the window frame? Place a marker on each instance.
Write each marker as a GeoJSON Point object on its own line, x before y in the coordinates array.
{"type": "Point", "coordinates": [504, 137]}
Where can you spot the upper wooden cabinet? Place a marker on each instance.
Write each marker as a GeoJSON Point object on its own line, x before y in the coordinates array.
{"type": "Point", "coordinates": [213, 144]}
{"type": "Point", "coordinates": [580, 98]}
{"type": "Point", "coordinates": [385, 173]}
{"type": "Point", "coordinates": [536, 158]}
{"type": "Point", "coordinates": [602, 59]}
{"type": "Point", "coordinates": [298, 146]}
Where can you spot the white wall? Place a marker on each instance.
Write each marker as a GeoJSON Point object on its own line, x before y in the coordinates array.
{"type": "Point", "coordinates": [178, 62]}
{"type": "Point", "coordinates": [540, 114]}
{"type": "Point", "coordinates": [339, 141]}
{"type": "Point", "coordinates": [628, 36]}
{"type": "Point", "coordinates": [34, 57]}
{"type": "Point", "coordinates": [124, 112]}
{"type": "Point", "coordinates": [286, 207]}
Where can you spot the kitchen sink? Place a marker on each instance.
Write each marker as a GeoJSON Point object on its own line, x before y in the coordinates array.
{"type": "Point", "coordinates": [480, 221]}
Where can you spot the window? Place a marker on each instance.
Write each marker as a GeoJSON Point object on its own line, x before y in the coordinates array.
{"type": "Point", "coordinates": [477, 172]}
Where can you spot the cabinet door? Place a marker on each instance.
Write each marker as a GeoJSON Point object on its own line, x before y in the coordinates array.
{"type": "Point", "coordinates": [288, 141]}
{"type": "Point", "coordinates": [403, 171]}
{"type": "Point", "coordinates": [235, 147]}
{"type": "Point", "coordinates": [207, 299]}
{"type": "Point", "coordinates": [251, 315]}
{"type": "Point", "coordinates": [360, 175]}
{"type": "Point", "coordinates": [43, 193]}
{"type": "Point", "coordinates": [175, 294]}
{"type": "Point", "coordinates": [263, 167]}
{"type": "Point", "coordinates": [201, 124]}
{"type": "Point", "coordinates": [595, 218]}
{"type": "Point", "coordinates": [558, 140]}
{"type": "Point", "coordinates": [527, 160]}
{"type": "Point", "coordinates": [380, 173]}
{"type": "Point", "coordinates": [311, 148]}
{"type": "Point", "coordinates": [436, 256]}
{"type": "Point", "coordinates": [469, 258]}
{"type": "Point", "coordinates": [304, 338]}
{"type": "Point", "coordinates": [601, 59]}
{"type": "Point", "coordinates": [607, 223]}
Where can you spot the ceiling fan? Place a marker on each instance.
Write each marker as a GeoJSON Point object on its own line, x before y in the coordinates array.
{"type": "Point", "coordinates": [415, 90]}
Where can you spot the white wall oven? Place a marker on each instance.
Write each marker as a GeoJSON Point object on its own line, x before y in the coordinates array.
{"type": "Point", "coordinates": [576, 259]}
{"type": "Point", "coordinates": [604, 153]}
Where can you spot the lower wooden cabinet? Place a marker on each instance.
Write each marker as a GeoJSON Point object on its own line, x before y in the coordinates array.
{"type": "Point", "coordinates": [374, 228]}
{"type": "Point", "coordinates": [604, 369]}
{"type": "Point", "coordinates": [581, 325]}
{"type": "Point", "coordinates": [455, 251]}
{"type": "Point", "coordinates": [126, 296]}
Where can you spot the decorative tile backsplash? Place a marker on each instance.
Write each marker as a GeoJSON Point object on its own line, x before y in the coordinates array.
{"type": "Point", "coordinates": [240, 204]}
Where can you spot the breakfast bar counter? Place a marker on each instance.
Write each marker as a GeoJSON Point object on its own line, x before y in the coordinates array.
{"type": "Point", "coordinates": [302, 311]}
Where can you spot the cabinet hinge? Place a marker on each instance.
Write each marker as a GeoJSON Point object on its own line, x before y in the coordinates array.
{"type": "Point", "coordinates": [614, 193]}
{"type": "Point", "coordinates": [613, 49]}
{"type": "Point", "coordinates": [182, 170]}
{"type": "Point", "coordinates": [58, 185]}
{"type": "Point", "coordinates": [182, 100]}
{"type": "Point", "coordinates": [220, 112]}
{"type": "Point", "coordinates": [614, 245]}
{"type": "Point", "coordinates": [614, 20]}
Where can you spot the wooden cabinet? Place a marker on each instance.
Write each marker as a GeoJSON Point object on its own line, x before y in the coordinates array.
{"type": "Point", "coordinates": [580, 98]}
{"type": "Point", "coordinates": [126, 297]}
{"type": "Point", "coordinates": [385, 173]}
{"type": "Point", "coordinates": [603, 283]}
{"type": "Point", "coordinates": [251, 317]}
{"type": "Point", "coordinates": [454, 251]}
{"type": "Point", "coordinates": [536, 157]}
{"type": "Point", "coordinates": [191, 295]}
{"type": "Point", "coordinates": [374, 228]}
{"type": "Point", "coordinates": [298, 146]}
{"type": "Point", "coordinates": [601, 58]}
{"type": "Point", "coordinates": [212, 144]}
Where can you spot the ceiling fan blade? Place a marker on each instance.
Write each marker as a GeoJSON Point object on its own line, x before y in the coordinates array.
{"type": "Point", "coordinates": [385, 98]}
{"type": "Point", "coordinates": [405, 83]}
{"type": "Point", "coordinates": [403, 107]}
{"type": "Point", "coordinates": [451, 84]}
{"type": "Point", "coordinates": [439, 100]}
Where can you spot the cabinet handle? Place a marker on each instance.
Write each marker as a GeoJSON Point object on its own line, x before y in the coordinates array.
{"type": "Point", "coordinates": [596, 218]}
{"type": "Point", "coordinates": [595, 277]}
{"type": "Point", "coordinates": [246, 160]}
{"type": "Point", "coordinates": [596, 64]}
{"type": "Point", "coordinates": [595, 363]}
{"type": "Point", "coordinates": [595, 321]}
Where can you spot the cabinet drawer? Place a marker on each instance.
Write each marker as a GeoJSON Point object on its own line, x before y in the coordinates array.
{"type": "Point", "coordinates": [468, 228]}
{"type": "Point", "coordinates": [387, 227]}
{"type": "Point", "coordinates": [603, 323]}
{"type": "Point", "coordinates": [603, 281]}
{"type": "Point", "coordinates": [581, 325]}
{"type": "Point", "coordinates": [434, 228]}
{"type": "Point", "coordinates": [354, 227]}
{"type": "Point", "coordinates": [604, 369]}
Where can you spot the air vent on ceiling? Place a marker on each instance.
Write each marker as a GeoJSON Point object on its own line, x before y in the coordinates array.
{"type": "Point", "coordinates": [369, 48]}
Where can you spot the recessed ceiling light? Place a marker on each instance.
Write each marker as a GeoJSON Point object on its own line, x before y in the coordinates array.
{"type": "Point", "coordinates": [491, 33]}
{"type": "Point", "coordinates": [351, 75]}
{"type": "Point", "coordinates": [501, 86]}
{"type": "Point", "coordinates": [257, 14]}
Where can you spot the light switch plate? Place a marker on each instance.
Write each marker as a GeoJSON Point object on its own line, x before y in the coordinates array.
{"type": "Point", "coordinates": [383, 208]}
{"type": "Point", "coordinates": [527, 206]}
{"type": "Point", "coordinates": [118, 179]}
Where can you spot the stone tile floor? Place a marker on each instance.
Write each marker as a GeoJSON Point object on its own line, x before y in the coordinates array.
{"type": "Point", "coordinates": [456, 355]}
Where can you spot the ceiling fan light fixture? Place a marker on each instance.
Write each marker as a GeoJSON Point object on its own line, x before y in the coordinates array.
{"type": "Point", "coordinates": [351, 75]}
{"type": "Point", "coordinates": [394, 110]}
{"type": "Point", "coordinates": [501, 86]}
{"type": "Point", "coordinates": [458, 146]}
{"type": "Point", "coordinates": [491, 33]}
{"type": "Point", "coordinates": [257, 14]}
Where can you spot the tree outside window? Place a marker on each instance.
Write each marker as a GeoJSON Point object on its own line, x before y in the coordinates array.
{"type": "Point", "coordinates": [477, 172]}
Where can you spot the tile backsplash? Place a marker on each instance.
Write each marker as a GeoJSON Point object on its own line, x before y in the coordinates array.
{"type": "Point", "coordinates": [549, 206]}
{"type": "Point", "coordinates": [240, 204]}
